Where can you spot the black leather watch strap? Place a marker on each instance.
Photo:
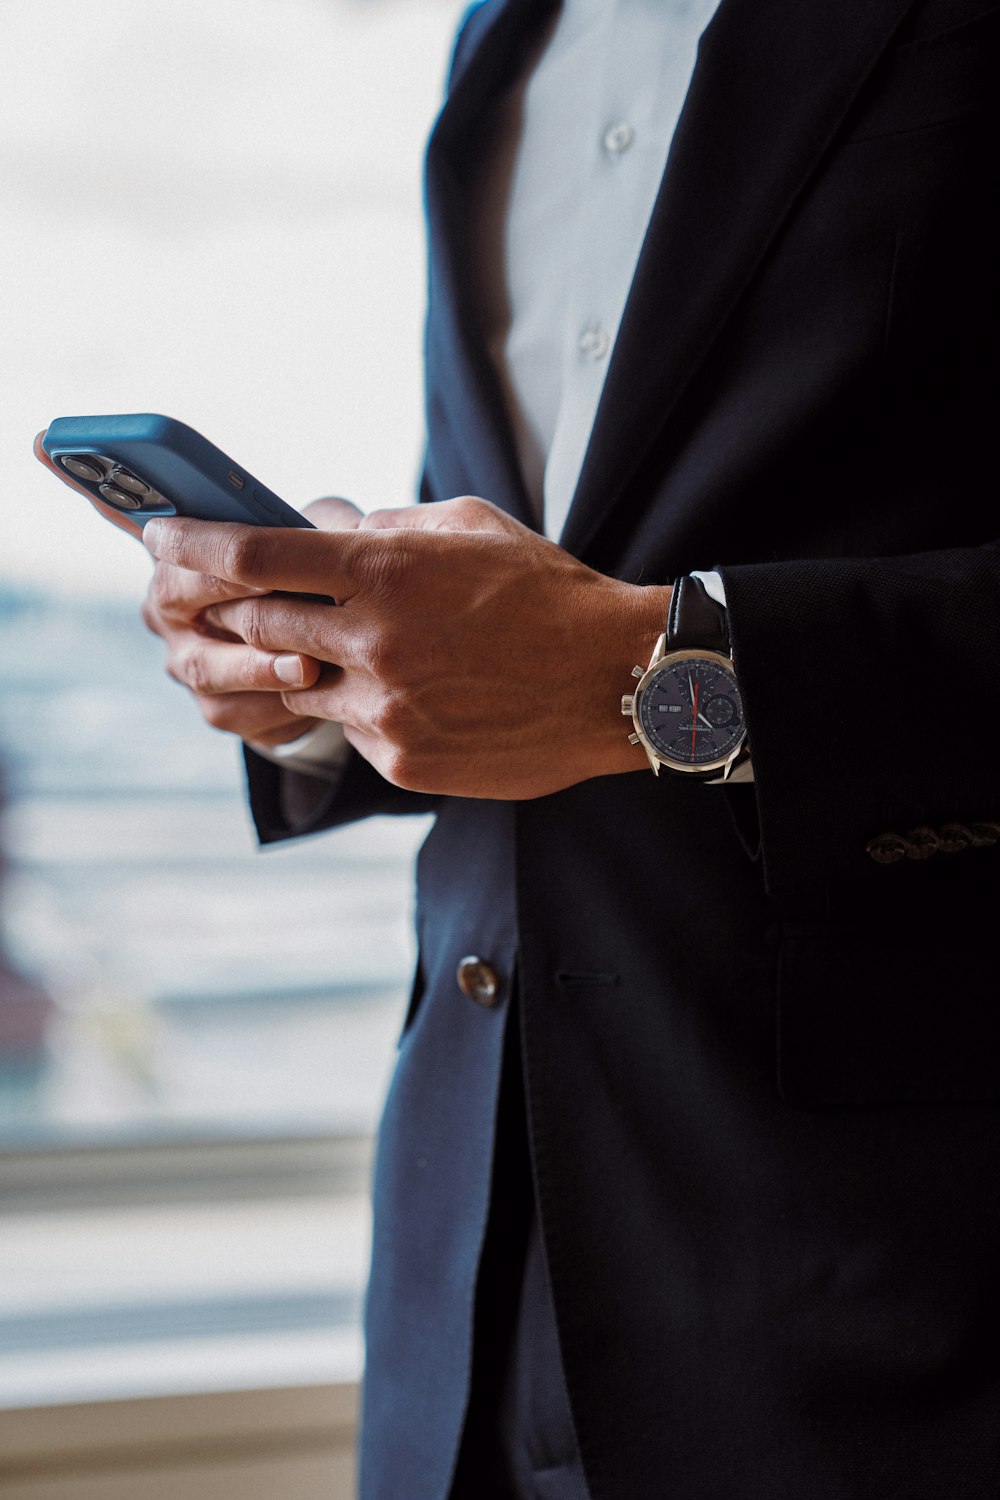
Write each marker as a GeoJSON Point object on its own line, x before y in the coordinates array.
{"type": "Point", "coordinates": [695, 619]}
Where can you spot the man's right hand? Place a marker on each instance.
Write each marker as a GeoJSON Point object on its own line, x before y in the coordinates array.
{"type": "Point", "coordinates": [237, 687]}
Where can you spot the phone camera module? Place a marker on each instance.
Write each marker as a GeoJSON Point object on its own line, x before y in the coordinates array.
{"type": "Point", "coordinates": [85, 466]}
{"type": "Point", "coordinates": [124, 480]}
{"type": "Point", "coordinates": [120, 498]}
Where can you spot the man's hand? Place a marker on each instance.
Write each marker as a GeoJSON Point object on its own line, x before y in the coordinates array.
{"type": "Point", "coordinates": [238, 687]}
{"type": "Point", "coordinates": [468, 655]}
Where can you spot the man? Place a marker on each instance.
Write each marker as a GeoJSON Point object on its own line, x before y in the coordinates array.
{"type": "Point", "coordinates": [687, 1179]}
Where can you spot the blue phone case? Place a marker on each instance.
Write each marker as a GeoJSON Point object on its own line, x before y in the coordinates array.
{"type": "Point", "coordinates": [159, 467]}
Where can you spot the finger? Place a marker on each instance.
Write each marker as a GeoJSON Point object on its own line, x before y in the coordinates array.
{"type": "Point", "coordinates": [333, 513]}
{"type": "Point", "coordinates": [260, 717]}
{"type": "Point", "coordinates": [264, 557]}
{"type": "Point", "coordinates": [275, 624]}
{"type": "Point", "coordinates": [210, 668]}
{"type": "Point", "coordinates": [178, 594]}
{"type": "Point", "coordinates": [346, 698]}
{"type": "Point", "coordinates": [466, 513]}
{"type": "Point", "coordinates": [291, 728]}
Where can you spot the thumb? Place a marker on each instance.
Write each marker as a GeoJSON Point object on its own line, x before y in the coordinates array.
{"type": "Point", "coordinates": [332, 513]}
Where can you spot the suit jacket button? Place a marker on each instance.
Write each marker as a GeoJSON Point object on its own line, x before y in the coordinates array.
{"type": "Point", "coordinates": [479, 980]}
{"type": "Point", "coordinates": [886, 848]}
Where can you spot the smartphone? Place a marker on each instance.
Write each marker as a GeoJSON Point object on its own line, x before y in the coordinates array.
{"type": "Point", "coordinates": [144, 465]}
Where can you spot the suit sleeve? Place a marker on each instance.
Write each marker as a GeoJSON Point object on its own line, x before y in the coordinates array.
{"type": "Point", "coordinates": [872, 696]}
{"type": "Point", "coordinates": [288, 804]}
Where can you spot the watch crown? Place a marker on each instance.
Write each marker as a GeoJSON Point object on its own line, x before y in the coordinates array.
{"type": "Point", "coordinates": [638, 672]}
{"type": "Point", "coordinates": [633, 739]}
{"type": "Point", "coordinates": [627, 702]}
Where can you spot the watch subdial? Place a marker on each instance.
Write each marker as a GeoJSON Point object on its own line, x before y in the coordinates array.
{"type": "Point", "coordinates": [721, 711]}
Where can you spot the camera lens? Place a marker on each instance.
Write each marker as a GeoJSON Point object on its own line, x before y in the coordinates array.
{"type": "Point", "coordinates": [84, 466]}
{"type": "Point", "coordinates": [121, 498]}
{"type": "Point", "coordinates": [126, 481]}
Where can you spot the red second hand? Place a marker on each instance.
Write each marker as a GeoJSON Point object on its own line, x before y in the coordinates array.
{"type": "Point", "coordinates": [694, 719]}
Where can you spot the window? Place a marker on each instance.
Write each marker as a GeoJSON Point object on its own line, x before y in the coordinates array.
{"type": "Point", "coordinates": [212, 210]}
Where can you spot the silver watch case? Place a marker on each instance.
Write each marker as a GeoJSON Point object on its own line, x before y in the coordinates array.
{"type": "Point", "coordinates": [711, 770]}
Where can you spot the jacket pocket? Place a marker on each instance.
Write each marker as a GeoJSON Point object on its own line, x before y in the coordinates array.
{"type": "Point", "coordinates": [933, 21]}
{"type": "Point", "coordinates": [902, 1015]}
{"type": "Point", "coordinates": [931, 80]}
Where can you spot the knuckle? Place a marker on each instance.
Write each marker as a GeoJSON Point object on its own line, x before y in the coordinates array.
{"type": "Point", "coordinates": [252, 623]}
{"type": "Point", "coordinates": [168, 542]}
{"type": "Point", "coordinates": [390, 569]}
{"type": "Point", "coordinates": [391, 561]}
{"type": "Point", "coordinates": [380, 657]}
{"type": "Point", "coordinates": [242, 554]}
{"type": "Point", "coordinates": [378, 520]}
{"type": "Point", "coordinates": [471, 511]}
{"type": "Point", "coordinates": [194, 673]}
{"type": "Point", "coordinates": [468, 505]}
{"type": "Point", "coordinates": [255, 672]}
{"type": "Point", "coordinates": [214, 588]}
{"type": "Point", "coordinates": [250, 672]}
{"type": "Point", "coordinates": [399, 765]}
{"type": "Point", "coordinates": [390, 719]}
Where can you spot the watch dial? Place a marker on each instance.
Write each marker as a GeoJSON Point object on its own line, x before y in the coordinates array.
{"type": "Point", "coordinates": [691, 711]}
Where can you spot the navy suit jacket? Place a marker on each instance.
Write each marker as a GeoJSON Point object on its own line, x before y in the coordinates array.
{"type": "Point", "coordinates": [762, 1068]}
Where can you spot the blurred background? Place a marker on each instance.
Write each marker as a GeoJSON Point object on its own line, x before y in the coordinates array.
{"type": "Point", "coordinates": [210, 208]}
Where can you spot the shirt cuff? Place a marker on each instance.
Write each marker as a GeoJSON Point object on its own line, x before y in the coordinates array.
{"type": "Point", "coordinates": [713, 585]}
{"type": "Point", "coordinates": [321, 751]}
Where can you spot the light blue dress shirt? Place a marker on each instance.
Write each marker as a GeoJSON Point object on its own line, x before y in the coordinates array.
{"type": "Point", "coordinates": [569, 179]}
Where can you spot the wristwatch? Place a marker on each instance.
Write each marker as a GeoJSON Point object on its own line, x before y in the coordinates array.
{"type": "Point", "coordinates": [686, 709]}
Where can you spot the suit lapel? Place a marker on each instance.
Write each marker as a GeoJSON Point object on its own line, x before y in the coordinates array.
{"type": "Point", "coordinates": [463, 386]}
{"type": "Point", "coordinates": [773, 81]}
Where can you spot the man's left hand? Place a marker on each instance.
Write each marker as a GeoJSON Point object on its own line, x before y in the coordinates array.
{"type": "Point", "coordinates": [467, 655]}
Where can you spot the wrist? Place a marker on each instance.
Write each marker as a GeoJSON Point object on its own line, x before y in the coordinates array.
{"type": "Point", "coordinates": [629, 631]}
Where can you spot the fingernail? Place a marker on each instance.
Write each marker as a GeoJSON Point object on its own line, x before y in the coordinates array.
{"type": "Point", "coordinates": [288, 669]}
{"type": "Point", "coordinates": [151, 535]}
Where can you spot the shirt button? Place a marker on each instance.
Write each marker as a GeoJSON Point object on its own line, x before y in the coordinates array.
{"type": "Point", "coordinates": [479, 980]}
{"type": "Point", "coordinates": [594, 342]}
{"type": "Point", "coordinates": [618, 138]}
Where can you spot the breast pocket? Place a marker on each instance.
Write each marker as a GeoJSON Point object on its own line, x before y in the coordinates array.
{"type": "Point", "coordinates": [901, 1015]}
{"type": "Point", "coordinates": [930, 79]}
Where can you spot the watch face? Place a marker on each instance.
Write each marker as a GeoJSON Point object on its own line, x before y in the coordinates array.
{"type": "Point", "coordinates": [691, 712]}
